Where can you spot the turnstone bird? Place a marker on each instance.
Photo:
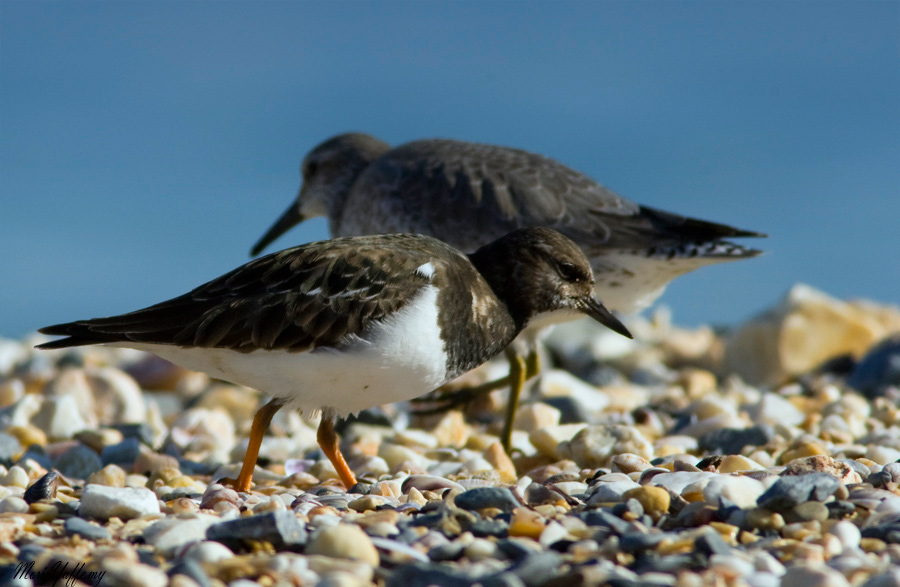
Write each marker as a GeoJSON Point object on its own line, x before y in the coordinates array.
{"type": "Point", "coordinates": [343, 325]}
{"type": "Point", "coordinates": [468, 194]}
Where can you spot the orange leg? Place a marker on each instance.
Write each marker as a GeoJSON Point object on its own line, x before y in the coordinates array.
{"type": "Point", "coordinates": [328, 441]}
{"type": "Point", "coordinates": [261, 422]}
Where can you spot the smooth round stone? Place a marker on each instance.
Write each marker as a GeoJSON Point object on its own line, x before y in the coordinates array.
{"type": "Point", "coordinates": [61, 417]}
{"type": "Point", "coordinates": [102, 503]}
{"type": "Point", "coordinates": [124, 572]}
{"type": "Point", "coordinates": [208, 552]}
{"type": "Point", "coordinates": [480, 549]}
{"type": "Point", "coordinates": [110, 475]}
{"type": "Point", "coordinates": [10, 447]}
{"type": "Point", "coordinates": [738, 463]}
{"type": "Point", "coordinates": [117, 397]}
{"type": "Point", "coordinates": [12, 504]}
{"type": "Point", "coordinates": [811, 510]}
{"type": "Point", "coordinates": [531, 417]}
{"type": "Point", "coordinates": [396, 456]}
{"type": "Point", "coordinates": [790, 491]}
{"type": "Point", "coordinates": [847, 532]}
{"type": "Point", "coordinates": [171, 533]}
{"type": "Point", "coordinates": [85, 529]}
{"type": "Point", "coordinates": [882, 454]}
{"type": "Point", "coordinates": [732, 564]}
{"type": "Point", "coordinates": [16, 477]}
{"type": "Point", "coordinates": [765, 562]}
{"type": "Point", "coordinates": [803, 576]}
{"type": "Point", "coordinates": [548, 441]}
{"type": "Point", "coordinates": [741, 491]}
{"type": "Point", "coordinates": [413, 437]}
{"type": "Point", "coordinates": [629, 463]}
{"type": "Point", "coordinates": [762, 579]}
{"type": "Point", "coordinates": [879, 369]}
{"type": "Point", "coordinates": [594, 446]}
{"type": "Point", "coordinates": [710, 406]}
{"type": "Point", "coordinates": [571, 487]}
{"type": "Point", "coordinates": [11, 391]}
{"type": "Point", "coordinates": [611, 492]}
{"type": "Point", "coordinates": [677, 482]}
{"type": "Point", "coordinates": [123, 453]}
{"type": "Point", "coordinates": [655, 500]}
{"type": "Point", "coordinates": [763, 519]}
{"type": "Point", "coordinates": [773, 409]}
{"type": "Point", "coordinates": [344, 541]}
{"type": "Point", "coordinates": [712, 424]}
{"type": "Point", "coordinates": [28, 435]}
{"type": "Point", "coordinates": [79, 462]}
{"type": "Point", "coordinates": [889, 578]}
{"type": "Point", "coordinates": [487, 497]}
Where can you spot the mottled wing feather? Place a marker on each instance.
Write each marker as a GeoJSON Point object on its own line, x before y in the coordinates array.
{"type": "Point", "coordinates": [464, 192]}
{"type": "Point", "coordinates": [298, 299]}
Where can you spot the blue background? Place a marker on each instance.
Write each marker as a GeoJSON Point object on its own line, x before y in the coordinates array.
{"type": "Point", "coordinates": [144, 147]}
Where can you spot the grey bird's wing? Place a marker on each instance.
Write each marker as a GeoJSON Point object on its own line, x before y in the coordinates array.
{"type": "Point", "coordinates": [468, 194]}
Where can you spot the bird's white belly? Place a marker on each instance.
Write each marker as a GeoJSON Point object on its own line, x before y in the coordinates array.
{"type": "Point", "coordinates": [398, 359]}
{"type": "Point", "coordinates": [629, 282]}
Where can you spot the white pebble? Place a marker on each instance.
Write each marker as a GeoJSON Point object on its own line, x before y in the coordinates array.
{"type": "Point", "coordinates": [173, 533]}
{"type": "Point", "coordinates": [847, 533]}
{"type": "Point", "coordinates": [16, 477]}
{"type": "Point", "coordinates": [742, 491]}
{"type": "Point", "coordinates": [208, 552]}
{"type": "Point", "coordinates": [882, 454]}
{"type": "Point", "coordinates": [15, 505]}
{"type": "Point", "coordinates": [102, 502]}
{"type": "Point", "coordinates": [774, 409]}
{"type": "Point", "coordinates": [678, 481]}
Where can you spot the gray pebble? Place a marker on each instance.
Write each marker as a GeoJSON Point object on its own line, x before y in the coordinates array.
{"type": "Point", "coordinates": [9, 447]}
{"type": "Point", "coordinates": [279, 528]}
{"type": "Point", "coordinates": [122, 454]}
{"type": "Point", "coordinates": [731, 441]}
{"type": "Point", "coordinates": [191, 569]}
{"type": "Point", "coordinates": [810, 510]}
{"type": "Point", "coordinates": [426, 575]}
{"type": "Point", "coordinates": [79, 462]}
{"type": "Point", "coordinates": [85, 529]}
{"type": "Point", "coordinates": [878, 370]}
{"type": "Point", "coordinates": [789, 492]}
{"type": "Point", "coordinates": [487, 497]}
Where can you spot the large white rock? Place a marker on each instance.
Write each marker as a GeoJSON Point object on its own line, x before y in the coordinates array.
{"type": "Point", "coordinates": [102, 502]}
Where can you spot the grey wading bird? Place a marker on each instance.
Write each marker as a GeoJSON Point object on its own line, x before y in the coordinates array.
{"type": "Point", "coordinates": [468, 194]}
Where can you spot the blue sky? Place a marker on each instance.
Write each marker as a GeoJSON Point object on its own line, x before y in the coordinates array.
{"type": "Point", "coordinates": [144, 147]}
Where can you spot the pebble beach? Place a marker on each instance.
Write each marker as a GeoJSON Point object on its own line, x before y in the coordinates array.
{"type": "Point", "coordinates": [764, 454]}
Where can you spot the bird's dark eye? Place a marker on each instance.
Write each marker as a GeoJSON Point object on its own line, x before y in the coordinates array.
{"type": "Point", "coordinates": [311, 169]}
{"type": "Point", "coordinates": [570, 272]}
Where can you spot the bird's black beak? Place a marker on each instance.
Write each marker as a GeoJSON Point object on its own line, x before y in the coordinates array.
{"type": "Point", "coordinates": [594, 308]}
{"type": "Point", "coordinates": [288, 220]}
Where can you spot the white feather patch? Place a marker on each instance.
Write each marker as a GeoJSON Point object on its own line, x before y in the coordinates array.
{"type": "Point", "coordinates": [397, 359]}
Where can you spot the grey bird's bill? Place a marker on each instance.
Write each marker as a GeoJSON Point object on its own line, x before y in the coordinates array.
{"type": "Point", "coordinates": [593, 307]}
{"type": "Point", "coordinates": [288, 220]}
